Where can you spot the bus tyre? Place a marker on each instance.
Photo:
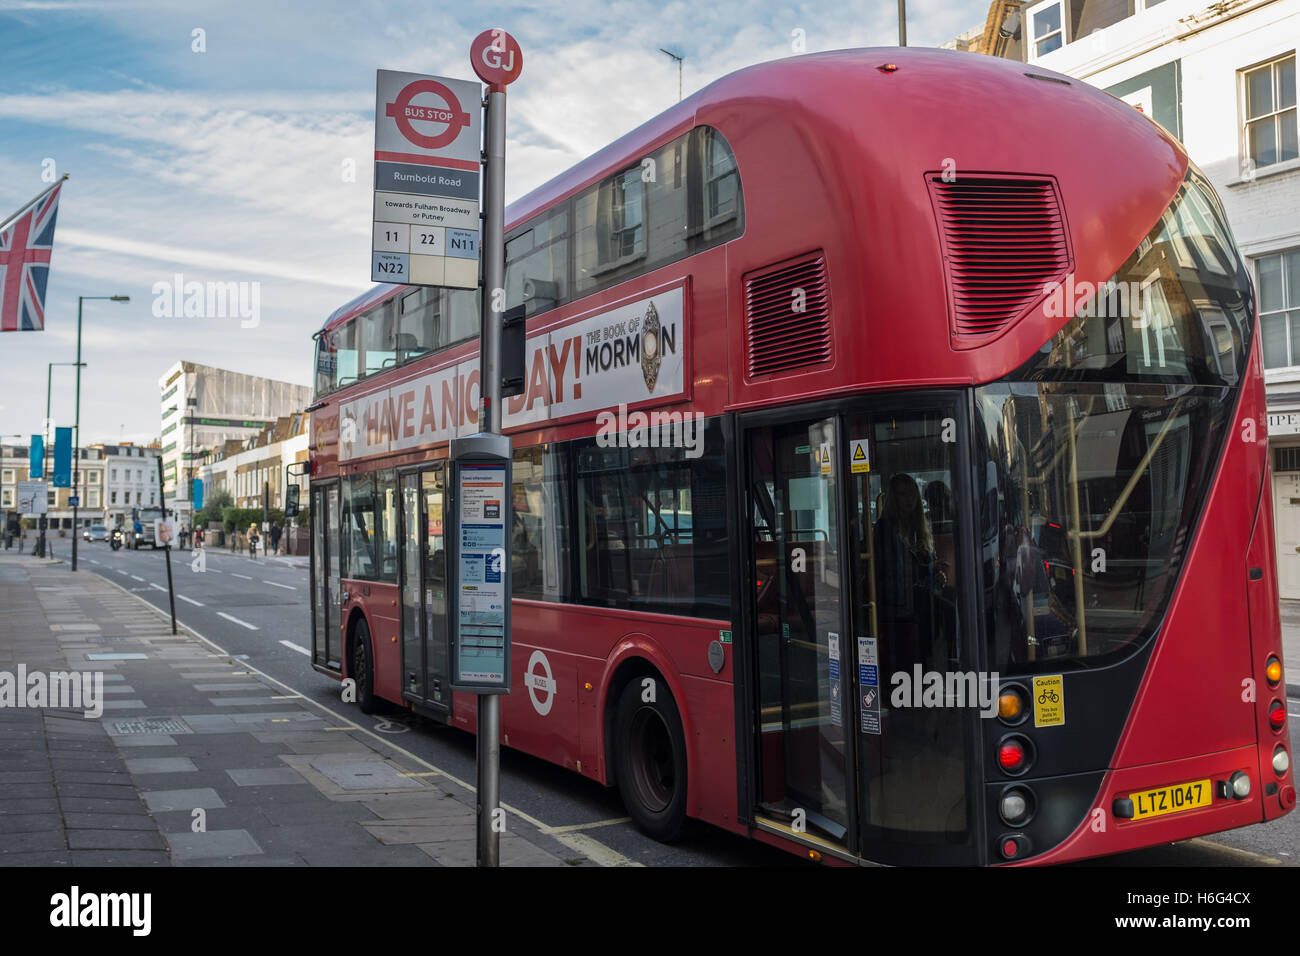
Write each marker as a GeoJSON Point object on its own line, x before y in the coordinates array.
{"type": "Point", "coordinates": [650, 760]}
{"type": "Point", "coordinates": [362, 670]}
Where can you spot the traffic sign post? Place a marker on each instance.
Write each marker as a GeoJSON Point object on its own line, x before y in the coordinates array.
{"type": "Point", "coordinates": [427, 160]}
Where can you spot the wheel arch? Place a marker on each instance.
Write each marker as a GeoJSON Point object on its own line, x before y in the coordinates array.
{"type": "Point", "coordinates": [637, 656]}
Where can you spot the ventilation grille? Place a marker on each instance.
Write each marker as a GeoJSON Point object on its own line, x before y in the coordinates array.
{"type": "Point", "coordinates": [787, 316]}
{"type": "Point", "coordinates": [1003, 241]}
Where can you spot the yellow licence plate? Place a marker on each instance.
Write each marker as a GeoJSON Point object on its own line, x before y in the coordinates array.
{"type": "Point", "coordinates": [1183, 796]}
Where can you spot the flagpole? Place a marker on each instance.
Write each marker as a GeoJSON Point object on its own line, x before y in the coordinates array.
{"type": "Point", "coordinates": [26, 206]}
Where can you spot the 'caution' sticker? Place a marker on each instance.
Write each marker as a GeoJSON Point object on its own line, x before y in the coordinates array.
{"type": "Point", "coordinates": [1049, 701]}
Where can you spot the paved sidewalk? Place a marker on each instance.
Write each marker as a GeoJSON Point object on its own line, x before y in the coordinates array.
{"type": "Point", "coordinates": [196, 760]}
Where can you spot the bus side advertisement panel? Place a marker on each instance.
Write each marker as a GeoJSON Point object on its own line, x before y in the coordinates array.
{"type": "Point", "coordinates": [633, 354]}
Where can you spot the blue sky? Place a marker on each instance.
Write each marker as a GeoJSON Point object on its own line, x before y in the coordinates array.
{"type": "Point", "coordinates": [228, 165]}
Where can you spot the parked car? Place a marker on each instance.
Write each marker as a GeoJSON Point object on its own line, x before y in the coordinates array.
{"type": "Point", "coordinates": [96, 532]}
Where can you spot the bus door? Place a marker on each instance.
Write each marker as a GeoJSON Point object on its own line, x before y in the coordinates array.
{"type": "Point", "coordinates": [856, 566]}
{"type": "Point", "coordinates": [800, 617]}
{"type": "Point", "coordinates": [424, 590]}
{"type": "Point", "coordinates": [326, 589]}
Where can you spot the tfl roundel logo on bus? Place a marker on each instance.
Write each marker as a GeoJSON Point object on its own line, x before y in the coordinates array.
{"type": "Point", "coordinates": [446, 113]}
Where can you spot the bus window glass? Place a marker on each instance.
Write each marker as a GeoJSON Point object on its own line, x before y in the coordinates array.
{"type": "Point", "coordinates": [651, 526]}
{"type": "Point", "coordinates": [1090, 493]}
{"type": "Point", "coordinates": [359, 538]}
{"type": "Point", "coordinates": [344, 344]}
{"type": "Point", "coordinates": [721, 187]}
{"type": "Point", "coordinates": [380, 338]}
{"type": "Point", "coordinates": [540, 543]}
{"type": "Point", "coordinates": [537, 262]}
{"type": "Point", "coordinates": [460, 316]}
{"type": "Point", "coordinates": [417, 328]}
{"type": "Point", "coordinates": [386, 537]}
{"type": "Point", "coordinates": [610, 231]}
{"type": "Point", "coordinates": [327, 363]}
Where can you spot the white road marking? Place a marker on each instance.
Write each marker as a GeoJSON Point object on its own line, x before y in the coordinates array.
{"type": "Point", "coordinates": [93, 561]}
{"type": "Point", "coordinates": [575, 827]}
{"type": "Point", "coordinates": [215, 571]}
{"type": "Point", "coordinates": [124, 571]}
{"type": "Point", "coordinates": [231, 617]}
{"type": "Point", "coordinates": [287, 587]}
{"type": "Point", "coordinates": [296, 647]}
{"type": "Point", "coordinates": [157, 586]}
{"type": "Point", "coordinates": [246, 577]}
{"type": "Point", "coordinates": [136, 577]}
{"type": "Point", "coordinates": [191, 601]}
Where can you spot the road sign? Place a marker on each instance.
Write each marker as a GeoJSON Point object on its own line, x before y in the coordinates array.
{"type": "Point", "coordinates": [33, 499]}
{"type": "Point", "coordinates": [427, 172]}
{"type": "Point", "coordinates": [74, 501]}
{"type": "Point", "coordinates": [496, 58]}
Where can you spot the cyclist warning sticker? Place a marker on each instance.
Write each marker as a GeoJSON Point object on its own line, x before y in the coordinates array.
{"type": "Point", "coordinates": [1049, 701]}
{"type": "Point", "coordinates": [859, 459]}
{"type": "Point", "coordinates": [824, 456]}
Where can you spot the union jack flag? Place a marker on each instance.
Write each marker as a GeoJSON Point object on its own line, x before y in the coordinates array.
{"type": "Point", "coordinates": [25, 248]}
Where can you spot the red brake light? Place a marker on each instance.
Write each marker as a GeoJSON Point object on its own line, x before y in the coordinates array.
{"type": "Point", "coordinates": [1009, 849]}
{"type": "Point", "coordinates": [1011, 755]}
{"type": "Point", "coordinates": [1276, 715]}
{"type": "Point", "coordinates": [887, 67]}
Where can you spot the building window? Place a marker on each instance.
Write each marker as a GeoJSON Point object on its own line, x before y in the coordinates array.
{"type": "Point", "coordinates": [53, 498]}
{"type": "Point", "coordinates": [112, 497]}
{"type": "Point", "coordinates": [1269, 92]}
{"type": "Point", "coordinates": [1046, 28]}
{"type": "Point", "coordinates": [115, 474]}
{"type": "Point", "coordinates": [92, 498]}
{"type": "Point", "coordinates": [151, 501]}
{"type": "Point", "coordinates": [1279, 307]}
{"type": "Point", "coordinates": [137, 497]}
{"type": "Point", "coordinates": [7, 500]}
{"type": "Point", "coordinates": [8, 475]}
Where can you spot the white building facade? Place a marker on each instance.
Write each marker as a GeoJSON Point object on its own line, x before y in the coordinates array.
{"type": "Point", "coordinates": [202, 407]}
{"type": "Point", "coordinates": [130, 481]}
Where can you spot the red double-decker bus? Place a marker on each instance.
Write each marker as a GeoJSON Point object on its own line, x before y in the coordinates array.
{"type": "Point", "coordinates": [887, 479]}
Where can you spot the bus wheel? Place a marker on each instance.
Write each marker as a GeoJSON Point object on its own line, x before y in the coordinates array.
{"type": "Point", "coordinates": [362, 670]}
{"type": "Point", "coordinates": [650, 759]}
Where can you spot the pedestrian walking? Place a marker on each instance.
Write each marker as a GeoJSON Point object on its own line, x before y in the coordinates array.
{"type": "Point", "coordinates": [252, 540]}
{"type": "Point", "coordinates": [276, 531]}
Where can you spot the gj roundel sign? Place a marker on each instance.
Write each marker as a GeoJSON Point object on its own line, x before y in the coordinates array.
{"type": "Point", "coordinates": [496, 58]}
{"type": "Point", "coordinates": [449, 114]}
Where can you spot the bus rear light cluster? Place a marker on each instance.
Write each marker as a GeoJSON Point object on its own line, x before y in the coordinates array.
{"type": "Point", "coordinates": [1015, 753]}
{"type": "Point", "coordinates": [1016, 808]}
{"type": "Point", "coordinates": [1276, 715]}
{"type": "Point", "coordinates": [1281, 761]}
{"type": "Point", "coordinates": [1012, 709]}
{"type": "Point", "coordinates": [1273, 670]}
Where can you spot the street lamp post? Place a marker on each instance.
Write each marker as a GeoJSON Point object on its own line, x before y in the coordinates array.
{"type": "Point", "coordinates": [76, 427]}
{"type": "Point", "coordinates": [45, 452]}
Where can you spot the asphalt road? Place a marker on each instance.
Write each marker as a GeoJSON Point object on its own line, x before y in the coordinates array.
{"type": "Point", "coordinates": [259, 611]}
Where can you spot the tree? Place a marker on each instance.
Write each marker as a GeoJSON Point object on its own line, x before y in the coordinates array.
{"type": "Point", "coordinates": [214, 507]}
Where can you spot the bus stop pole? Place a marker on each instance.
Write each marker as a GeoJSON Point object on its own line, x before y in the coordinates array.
{"type": "Point", "coordinates": [494, 214]}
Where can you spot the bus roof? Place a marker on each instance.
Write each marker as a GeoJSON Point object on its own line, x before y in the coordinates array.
{"type": "Point", "coordinates": [789, 82]}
